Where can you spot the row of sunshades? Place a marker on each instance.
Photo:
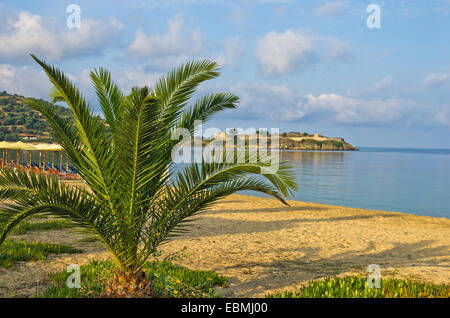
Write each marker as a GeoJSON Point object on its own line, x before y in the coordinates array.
{"type": "Point", "coordinates": [49, 168]}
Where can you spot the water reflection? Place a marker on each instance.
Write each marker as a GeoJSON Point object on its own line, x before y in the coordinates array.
{"type": "Point", "coordinates": [314, 158]}
{"type": "Point", "coordinates": [412, 180]}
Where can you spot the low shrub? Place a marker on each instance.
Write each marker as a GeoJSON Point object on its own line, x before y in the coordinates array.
{"type": "Point", "coordinates": [176, 281]}
{"type": "Point", "coordinates": [356, 287]}
{"type": "Point", "coordinates": [19, 251]}
{"type": "Point", "coordinates": [26, 227]}
{"type": "Point", "coordinates": [93, 277]}
{"type": "Point", "coordinates": [168, 281]}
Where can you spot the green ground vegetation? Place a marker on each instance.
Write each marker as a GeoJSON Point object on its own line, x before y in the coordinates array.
{"type": "Point", "coordinates": [357, 287]}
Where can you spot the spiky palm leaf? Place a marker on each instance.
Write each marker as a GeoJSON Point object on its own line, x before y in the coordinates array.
{"type": "Point", "coordinates": [129, 201]}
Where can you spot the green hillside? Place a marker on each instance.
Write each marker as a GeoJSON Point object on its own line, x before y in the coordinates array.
{"type": "Point", "coordinates": [18, 122]}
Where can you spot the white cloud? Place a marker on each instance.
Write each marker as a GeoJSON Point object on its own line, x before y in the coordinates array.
{"type": "Point", "coordinates": [177, 3]}
{"type": "Point", "coordinates": [24, 81]}
{"type": "Point", "coordinates": [330, 8]}
{"type": "Point", "coordinates": [125, 79]}
{"type": "Point", "coordinates": [443, 117]}
{"type": "Point", "coordinates": [261, 95]}
{"type": "Point", "coordinates": [282, 102]}
{"type": "Point", "coordinates": [281, 53]}
{"type": "Point", "coordinates": [337, 50]}
{"type": "Point", "coordinates": [28, 33]}
{"type": "Point", "coordinates": [32, 82]}
{"type": "Point", "coordinates": [381, 85]}
{"type": "Point", "coordinates": [257, 100]}
{"type": "Point", "coordinates": [435, 80]}
{"type": "Point", "coordinates": [168, 49]}
{"type": "Point", "coordinates": [136, 77]}
{"type": "Point", "coordinates": [233, 50]}
{"type": "Point", "coordinates": [347, 110]}
{"type": "Point", "coordinates": [271, 1]}
{"type": "Point", "coordinates": [289, 104]}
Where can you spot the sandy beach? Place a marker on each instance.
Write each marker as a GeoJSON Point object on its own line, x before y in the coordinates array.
{"type": "Point", "coordinates": [263, 247]}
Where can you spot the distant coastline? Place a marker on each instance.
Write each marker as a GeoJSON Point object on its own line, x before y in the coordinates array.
{"type": "Point", "coordinates": [289, 141]}
{"type": "Point", "coordinates": [305, 141]}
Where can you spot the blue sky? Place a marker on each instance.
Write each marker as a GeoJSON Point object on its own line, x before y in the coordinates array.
{"type": "Point", "coordinates": [297, 65]}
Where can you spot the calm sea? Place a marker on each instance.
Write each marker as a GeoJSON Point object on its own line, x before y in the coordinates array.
{"type": "Point", "coordinates": [406, 180]}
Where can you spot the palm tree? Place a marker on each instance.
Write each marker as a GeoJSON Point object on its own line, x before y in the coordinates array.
{"type": "Point", "coordinates": [133, 199]}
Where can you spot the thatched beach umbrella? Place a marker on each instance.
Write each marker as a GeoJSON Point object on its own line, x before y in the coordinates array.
{"type": "Point", "coordinates": [20, 146]}
{"type": "Point", "coordinates": [52, 148]}
{"type": "Point", "coordinates": [30, 147]}
{"type": "Point", "coordinates": [4, 148]}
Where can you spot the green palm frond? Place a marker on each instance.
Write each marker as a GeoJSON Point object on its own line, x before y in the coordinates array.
{"type": "Point", "coordinates": [177, 87]}
{"type": "Point", "coordinates": [41, 194]}
{"type": "Point", "coordinates": [132, 198]}
{"type": "Point", "coordinates": [109, 95]}
{"type": "Point", "coordinates": [95, 162]}
{"type": "Point", "coordinates": [204, 108]}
